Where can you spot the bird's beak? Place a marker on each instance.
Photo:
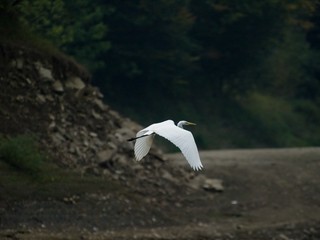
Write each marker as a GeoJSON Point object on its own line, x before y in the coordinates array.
{"type": "Point", "coordinates": [190, 123]}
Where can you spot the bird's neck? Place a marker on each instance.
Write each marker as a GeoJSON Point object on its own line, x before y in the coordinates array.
{"type": "Point", "coordinates": [180, 124]}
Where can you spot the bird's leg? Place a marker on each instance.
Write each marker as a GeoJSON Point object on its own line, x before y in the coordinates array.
{"type": "Point", "coordinates": [131, 139]}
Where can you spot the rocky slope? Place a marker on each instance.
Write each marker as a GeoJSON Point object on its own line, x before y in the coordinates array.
{"type": "Point", "coordinates": [51, 98]}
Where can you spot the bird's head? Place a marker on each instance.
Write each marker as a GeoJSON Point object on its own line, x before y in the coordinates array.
{"type": "Point", "coordinates": [183, 123]}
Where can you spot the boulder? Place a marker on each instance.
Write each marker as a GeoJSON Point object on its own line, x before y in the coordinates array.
{"type": "Point", "coordinates": [75, 82]}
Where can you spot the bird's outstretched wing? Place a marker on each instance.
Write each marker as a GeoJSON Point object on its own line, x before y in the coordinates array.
{"type": "Point", "coordinates": [182, 138]}
{"type": "Point", "coordinates": [143, 143]}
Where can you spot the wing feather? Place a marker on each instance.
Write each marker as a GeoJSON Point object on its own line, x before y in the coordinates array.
{"type": "Point", "coordinates": [182, 138]}
{"type": "Point", "coordinates": [143, 144]}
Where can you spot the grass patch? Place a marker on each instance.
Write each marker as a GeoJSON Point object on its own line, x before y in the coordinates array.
{"type": "Point", "coordinates": [277, 120]}
{"type": "Point", "coordinates": [25, 173]}
{"type": "Point", "coordinates": [54, 183]}
{"type": "Point", "coordinates": [22, 154]}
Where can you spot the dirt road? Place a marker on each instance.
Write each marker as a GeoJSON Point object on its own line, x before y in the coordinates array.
{"type": "Point", "coordinates": [267, 194]}
{"type": "Point", "coordinates": [263, 188]}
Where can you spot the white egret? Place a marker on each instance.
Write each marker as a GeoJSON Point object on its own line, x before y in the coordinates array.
{"type": "Point", "coordinates": [182, 138]}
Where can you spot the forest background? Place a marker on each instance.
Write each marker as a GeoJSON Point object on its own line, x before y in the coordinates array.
{"type": "Point", "coordinates": [246, 71]}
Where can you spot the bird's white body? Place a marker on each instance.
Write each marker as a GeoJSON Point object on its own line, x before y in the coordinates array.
{"type": "Point", "coordinates": [182, 138]}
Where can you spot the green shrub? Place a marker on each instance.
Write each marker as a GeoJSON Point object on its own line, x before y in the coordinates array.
{"type": "Point", "coordinates": [277, 119]}
{"type": "Point", "coordinates": [22, 154]}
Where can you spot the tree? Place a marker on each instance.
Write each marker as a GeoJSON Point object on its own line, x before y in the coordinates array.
{"type": "Point", "coordinates": [76, 27]}
{"type": "Point", "coordinates": [151, 52]}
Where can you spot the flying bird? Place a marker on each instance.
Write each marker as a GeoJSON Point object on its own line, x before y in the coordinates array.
{"type": "Point", "coordinates": [180, 137]}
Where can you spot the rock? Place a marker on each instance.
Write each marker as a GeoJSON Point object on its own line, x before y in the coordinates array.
{"type": "Point", "coordinates": [57, 138]}
{"type": "Point", "coordinates": [114, 114]}
{"type": "Point", "coordinates": [112, 145]}
{"type": "Point", "coordinates": [85, 143]}
{"type": "Point", "coordinates": [50, 98]}
{"type": "Point", "coordinates": [283, 237]}
{"type": "Point", "coordinates": [40, 98]}
{"type": "Point", "coordinates": [52, 117]}
{"type": "Point", "coordinates": [168, 176]}
{"type": "Point", "coordinates": [124, 133]}
{"type": "Point", "coordinates": [72, 149]}
{"type": "Point", "coordinates": [100, 104]}
{"type": "Point", "coordinates": [18, 63]}
{"type": "Point", "coordinates": [52, 126]}
{"type": "Point", "coordinates": [20, 98]}
{"type": "Point", "coordinates": [93, 134]}
{"type": "Point", "coordinates": [234, 202]}
{"type": "Point", "coordinates": [213, 185]}
{"type": "Point", "coordinates": [105, 155]}
{"type": "Point", "coordinates": [75, 83]}
{"type": "Point", "coordinates": [45, 73]}
{"type": "Point", "coordinates": [71, 200]}
{"type": "Point", "coordinates": [122, 160]}
{"type": "Point", "coordinates": [57, 86]}
{"type": "Point", "coordinates": [208, 184]}
{"type": "Point", "coordinates": [97, 93]}
{"type": "Point", "coordinates": [96, 115]}
{"type": "Point", "coordinates": [28, 81]}
{"type": "Point", "coordinates": [197, 182]}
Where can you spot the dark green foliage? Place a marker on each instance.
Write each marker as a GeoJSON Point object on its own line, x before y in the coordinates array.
{"type": "Point", "coordinates": [151, 52]}
{"type": "Point", "coordinates": [22, 154]}
{"type": "Point", "coordinates": [247, 71]}
{"type": "Point", "coordinates": [76, 27]}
